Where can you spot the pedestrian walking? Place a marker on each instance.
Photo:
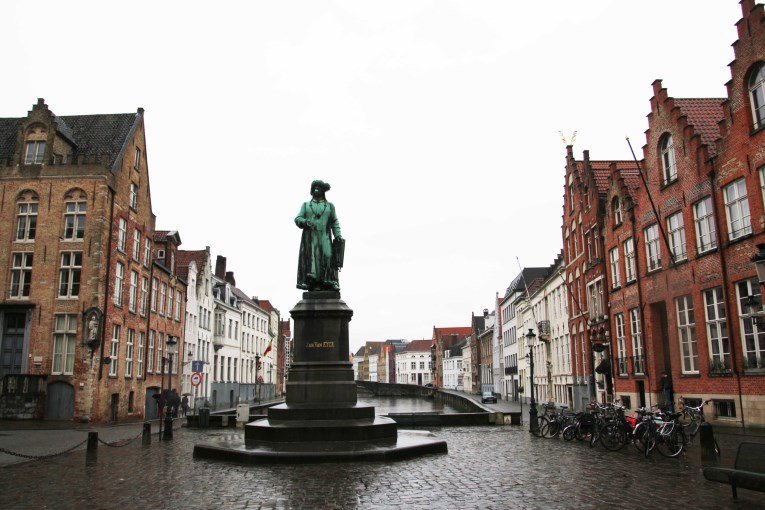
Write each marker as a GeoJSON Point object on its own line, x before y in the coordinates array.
{"type": "Point", "coordinates": [175, 401]}
{"type": "Point", "coordinates": [185, 405]}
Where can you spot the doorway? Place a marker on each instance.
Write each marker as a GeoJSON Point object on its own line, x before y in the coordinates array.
{"type": "Point", "coordinates": [59, 404]}
{"type": "Point", "coordinates": [12, 355]}
{"type": "Point", "coordinates": [150, 406]}
{"type": "Point", "coordinates": [114, 408]}
{"type": "Point", "coordinates": [641, 393]}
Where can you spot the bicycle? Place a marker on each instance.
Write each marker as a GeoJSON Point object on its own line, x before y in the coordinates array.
{"type": "Point", "coordinates": [695, 415]}
{"type": "Point", "coordinates": [662, 431]}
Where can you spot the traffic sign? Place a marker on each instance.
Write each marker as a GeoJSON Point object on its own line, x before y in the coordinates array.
{"type": "Point", "coordinates": [197, 366]}
{"type": "Point", "coordinates": [196, 379]}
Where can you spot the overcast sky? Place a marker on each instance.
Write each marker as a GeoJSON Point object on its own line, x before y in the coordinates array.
{"type": "Point", "coordinates": [436, 123]}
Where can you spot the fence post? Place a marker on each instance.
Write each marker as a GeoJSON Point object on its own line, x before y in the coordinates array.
{"type": "Point", "coordinates": [707, 442]}
{"type": "Point", "coordinates": [92, 442]}
{"type": "Point", "coordinates": [146, 439]}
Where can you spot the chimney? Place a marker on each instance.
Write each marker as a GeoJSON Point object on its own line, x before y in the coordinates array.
{"type": "Point", "coordinates": [220, 267]}
{"type": "Point", "coordinates": [230, 278]}
{"type": "Point", "coordinates": [485, 312]}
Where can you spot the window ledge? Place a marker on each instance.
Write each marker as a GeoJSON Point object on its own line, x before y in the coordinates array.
{"type": "Point", "coordinates": [757, 130]}
{"type": "Point", "coordinates": [710, 251]}
{"type": "Point", "coordinates": [690, 375]}
{"type": "Point", "coordinates": [754, 371]}
{"type": "Point", "coordinates": [631, 282]}
{"type": "Point", "coordinates": [68, 298]}
{"type": "Point", "coordinates": [652, 272]}
{"type": "Point", "coordinates": [667, 184]}
{"type": "Point", "coordinates": [680, 262]}
{"type": "Point", "coordinates": [617, 287]}
{"type": "Point", "coordinates": [720, 373]}
{"type": "Point", "coordinates": [740, 238]}
{"type": "Point", "coordinates": [72, 240]}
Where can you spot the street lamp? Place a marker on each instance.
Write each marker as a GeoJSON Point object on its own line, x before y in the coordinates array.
{"type": "Point", "coordinates": [168, 433]}
{"type": "Point", "coordinates": [533, 422]}
{"type": "Point", "coordinates": [759, 263]}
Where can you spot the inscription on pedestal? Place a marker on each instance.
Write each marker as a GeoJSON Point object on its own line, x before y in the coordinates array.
{"type": "Point", "coordinates": [320, 345]}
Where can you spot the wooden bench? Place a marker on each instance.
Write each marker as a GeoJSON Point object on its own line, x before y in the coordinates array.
{"type": "Point", "coordinates": [748, 471]}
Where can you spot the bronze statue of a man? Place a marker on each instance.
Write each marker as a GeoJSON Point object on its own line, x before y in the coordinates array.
{"type": "Point", "coordinates": [320, 257]}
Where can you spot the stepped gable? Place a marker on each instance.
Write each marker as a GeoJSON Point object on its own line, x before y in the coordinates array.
{"type": "Point", "coordinates": [601, 171]}
{"type": "Point", "coordinates": [698, 120]}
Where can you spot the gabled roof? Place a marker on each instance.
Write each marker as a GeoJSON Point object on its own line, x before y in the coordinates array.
{"type": "Point", "coordinates": [601, 172]}
{"type": "Point", "coordinates": [90, 134]}
{"type": "Point", "coordinates": [527, 275]}
{"type": "Point", "coordinates": [266, 305]}
{"type": "Point", "coordinates": [419, 346]}
{"type": "Point", "coordinates": [183, 259]}
{"type": "Point", "coordinates": [360, 352]}
{"type": "Point", "coordinates": [459, 331]}
{"type": "Point", "coordinates": [704, 114]}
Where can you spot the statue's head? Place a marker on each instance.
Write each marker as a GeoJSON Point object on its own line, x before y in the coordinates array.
{"type": "Point", "coordinates": [319, 187]}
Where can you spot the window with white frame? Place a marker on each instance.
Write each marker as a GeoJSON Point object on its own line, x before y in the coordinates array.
{"type": "Point", "coordinates": [146, 252]}
{"type": "Point", "coordinates": [139, 359]}
{"type": "Point", "coordinates": [686, 325]}
{"type": "Point", "coordinates": [595, 298]}
{"type": "Point", "coordinates": [717, 329]}
{"type": "Point", "coordinates": [753, 336]}
{"type": "Point", "coordinates": [119, 276]}
{"type": "Point", "coordinates": [761, 171]}
{"type": "Point", "coordinates": [638, 363]}
{"type": "Point", "coordinates": [154, 285]}
{"type": "Point", "coordinates": [160, 359]}
{"type": "Point", "coordinates": [737, 209]}
{"type": "Point", "coordinates": [668, 164]}
{"type": "Point", "coordinates": [69, 274]}
{"type": "Point", "coordinates": [133, 196]}
{"type": "Point", "coordinates": [676, 230]}
{"type": "Point", "coordinates": [114, 349]}
{"type": "Point", "coordinates": [162, 298]}
{"type": "Point", "coordinates": [629, 259]}
{"type": "Point", "coordinates": [706, 238]}
{"type": "Point", "coordinates": [26, 221]}
{"type": "Point", "coordinates": [652, 247]}
{"type": "Point", "coordinates": [129, 353]}
{"type": "Point", "coordinates": [64, 343]}
{"type": "Point", "coordinates": [150, 354]}
{"type": "Point", "coordinates": [121, 234]}
{"type": "Point", "coordinates": [616, 206]}
{"type": "Point", "coordinates": [133, 294]}
{"type": "Point", "coordinates": [621, 344]}
{"type": "Point", "coordinates": [615, 278]}
{"type": "Point", "coordinates": [35, 151]}
{"type": "Point", "coordinates": [136, 244]}
{"type": "Point", "coordinates": [144, 295]}
{"type": "Point", "coordinates": [21, 274]}
{"type": "Point", "coordinates": [177, 314]}
{"type": "Point", "coordinates": [757, 95]}
{"type": "Point", "coordinates": [136, 158]}
{"type": "Point", "coordinates": [170, 304]}
{"type": "Point", "coordinates": [74, 221]}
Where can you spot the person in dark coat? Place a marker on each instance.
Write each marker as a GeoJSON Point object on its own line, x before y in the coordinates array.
{"type": "Point", "coordinates": [185, 405]}
{"type": "Point", "coordinates": [665, 383]}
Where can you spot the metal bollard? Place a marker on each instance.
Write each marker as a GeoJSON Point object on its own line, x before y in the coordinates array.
{"type": "Point", "coordinates": [708, 443]}
{"type": "Point", "coordinates": [204, 417]}
{"type": "Point", "coordinates": [146, 439]}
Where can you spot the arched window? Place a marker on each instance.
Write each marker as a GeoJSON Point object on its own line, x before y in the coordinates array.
{"type": "Point", "coordinates": [616, 206]}
{"type": "Point", "coordinates": [668, 166]}
{"type": "Point", "coordinates": [757, 94]}
{"type": "Point", "coordinates": [74, 215]}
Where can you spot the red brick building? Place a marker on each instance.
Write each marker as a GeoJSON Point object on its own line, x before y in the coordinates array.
{"type": "Point", "coordinates": [77, 229]}
{"type": "Point", "coordinates": [679, 243]}
{"type": "Point", "coordinates": [443, 339]}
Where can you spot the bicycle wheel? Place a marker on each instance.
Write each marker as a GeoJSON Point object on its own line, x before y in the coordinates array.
{"type": "Point", "coordinates": [540, 422]}
{"type": "Point", "coordinates": [569, 432]}
{"type": "Point", "coordinates": [638, 436]}
{"type": "Point", "coordinates": [613, 437]}
{"type": "Point", "coordinates": [544, 426]}
{"type": "Point", "coordinates": [671, 444]}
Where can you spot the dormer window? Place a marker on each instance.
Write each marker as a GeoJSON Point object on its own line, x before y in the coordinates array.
{"type": "Point", "coordinates": [34, 153]}
{"type": "Point", "coordinates": [668, 165]}
{"type": "Point", "coordinates": [161, 255]}
{"type": "Point", "coordinates": [757, 95]}
{"type": "Point", "coordinates": [616, 205]}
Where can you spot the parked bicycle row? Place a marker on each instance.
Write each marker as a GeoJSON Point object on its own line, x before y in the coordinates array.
{"type": "Point", "coordinates": [650, 429]}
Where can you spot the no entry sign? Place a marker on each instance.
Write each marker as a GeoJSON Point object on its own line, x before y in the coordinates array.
{"type": "Point", "coordinates": [196, 379]}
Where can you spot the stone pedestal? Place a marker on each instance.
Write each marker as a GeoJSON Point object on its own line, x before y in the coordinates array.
{"type": "Point", "coordinates": [320, 371]}
{"type": "Point", "coordinates": [321, 420]}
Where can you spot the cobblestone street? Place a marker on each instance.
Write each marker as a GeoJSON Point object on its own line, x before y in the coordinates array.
{"type": "Point", "coordinates": [486, 467]}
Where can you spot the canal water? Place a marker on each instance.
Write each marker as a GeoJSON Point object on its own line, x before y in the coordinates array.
{"type": "Point", "coordinates": [385, 405]}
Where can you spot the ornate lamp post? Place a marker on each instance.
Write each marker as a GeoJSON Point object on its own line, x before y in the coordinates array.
{"type": "Point", "coordinates": [168, 432]}
{"type": "Point", "coordinates": [533, 422]}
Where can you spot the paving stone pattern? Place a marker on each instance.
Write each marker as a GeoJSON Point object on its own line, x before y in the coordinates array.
{"type": "Point", "coordinates": [486, 467]}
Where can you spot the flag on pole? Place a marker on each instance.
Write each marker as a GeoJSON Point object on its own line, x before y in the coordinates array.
{"type": "Point", "coordinates": [268, 348]}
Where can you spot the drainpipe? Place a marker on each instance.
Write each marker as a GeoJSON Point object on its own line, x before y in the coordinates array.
{"type": "Point", "coordinates": [641, 313]}
{"type": "Point", "coordinates": [108, 279]}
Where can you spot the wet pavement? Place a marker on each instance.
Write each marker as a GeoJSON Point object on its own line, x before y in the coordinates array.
{"type": "Point", "coordinates": [486, 467]}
